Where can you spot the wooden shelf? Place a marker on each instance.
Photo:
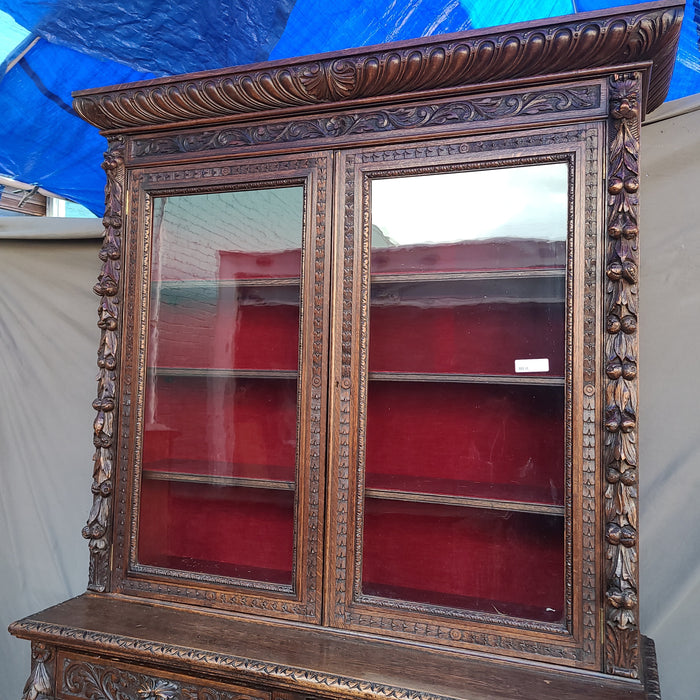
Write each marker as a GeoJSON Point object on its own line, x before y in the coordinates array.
{"type": "Point", "coordinates": [214, 480]}
{"type": "Point", "coordinates": [222, 373]}
{"type": "Point", "coordinates": [534, 273]}
{"type": "Point", "coordinates": [400, 594]}
{"type": "Point", "coordinates": [465, 501]}
{"type": "Point", "coordinates": [528, 380]}
{"type": "Point", "coordinates": [228, 283]}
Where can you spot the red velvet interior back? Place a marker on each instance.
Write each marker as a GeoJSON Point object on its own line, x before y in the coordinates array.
{"type": "Point", "coordinates": [440, 437]}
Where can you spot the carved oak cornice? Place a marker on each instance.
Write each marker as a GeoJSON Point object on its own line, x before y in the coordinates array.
{"type": "Point", "coordinates": [647, 33]}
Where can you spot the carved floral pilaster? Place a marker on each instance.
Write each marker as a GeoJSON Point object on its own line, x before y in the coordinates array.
{"type": "Point", "coordinates": [621, 352]}
{"type": "Point", "coordinates": [39, 685]}
{"type": "Point", "coordinates": [98, 527]}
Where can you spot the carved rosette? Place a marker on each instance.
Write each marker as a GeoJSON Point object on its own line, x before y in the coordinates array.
{"type": "Point", "coordinates": [621, 351]}
{"type": "Point", "coordinates": [39, 685]}
{"type": "Point", "coordinates": [98, 527]}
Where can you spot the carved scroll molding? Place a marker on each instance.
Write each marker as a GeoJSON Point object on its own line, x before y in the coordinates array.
{"type": "Point", "coordinates": [581, 98]}
{"type": "Point", "coordinates": [99, 526]}
{"type": "Point", "coordinates": [83, 679]}
{"type": "Point", "coordinates": [477, 57]}
{"type": "Point", "coordinates": [40, 683]}
{"type": "Point", "coordinates": [621, 351]}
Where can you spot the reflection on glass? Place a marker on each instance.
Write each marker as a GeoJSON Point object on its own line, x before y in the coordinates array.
{"type": "Point", "coordinates": [465, 404]}
{"type": "Point", "coordinates": [219, 441]}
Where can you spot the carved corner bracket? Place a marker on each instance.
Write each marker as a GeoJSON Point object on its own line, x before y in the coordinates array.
{"type": "Point", "coordinates": [40, 684]}
{"type": "Point", "coordinates": [98, 527]}
{"type": "Point", "coordinates": [621, 353]}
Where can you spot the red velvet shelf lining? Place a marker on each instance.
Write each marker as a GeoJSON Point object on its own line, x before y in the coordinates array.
{"type": "Point", "coordinates": [486, 441]}
{"type": "Point", "coordinates": [514, 493]}
{"type": "Point", "coordinates": [258, 328]}
{"type": "Point", "coordinates": [486, 254]}
{"type": "Point", "coordinates": [235, 264]}
{"type": "Point", "coordinates": [229, 327]}
{"type": "Point", "coordinates": [206, 468]}
{"type": "Point", "coordinates": [498, 562]}
{"type": "Point", "coordinates": [473, 339]}
{"type": "Point", "coordinates": [223, 531]}
{"type": "Point", "coordinates": [467, 439]}
{"type": "Point", "coordinates": [224, 420]}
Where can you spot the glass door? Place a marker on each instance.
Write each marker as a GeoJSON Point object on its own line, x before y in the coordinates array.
{"type": "Point", "coordinates": [452, 476]}
{"type": "Point", "coordinates": [228, 487]}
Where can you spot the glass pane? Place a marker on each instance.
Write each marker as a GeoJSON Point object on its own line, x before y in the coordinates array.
{"type": "Point", "coordinates": [466, 440]}
{"type": "Point", "coordinates": [509, 563]}
{"type": "Point", "coordinates": [464, 481]}
{"type": "Point", "coordinates": [219, 441]}
{"type": "Point", "coordinates": [478, 326]}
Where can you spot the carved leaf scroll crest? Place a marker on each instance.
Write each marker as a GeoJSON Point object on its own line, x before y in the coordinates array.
{"type": "Point", "coordinates": [621, 349]}
{"type": "Point", "coordinates": [98, 527]}
{"type": "Point", "coordinates": [477, 109]}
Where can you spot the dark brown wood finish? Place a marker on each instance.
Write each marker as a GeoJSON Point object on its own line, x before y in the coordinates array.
{"type": "Point", "coordinates": [99, 525]}
{"type": "Point", "coordinates": [621, 354]}
{"type": "Point", "coordinates": [310, 661]}
{"type": "Point", "coordinates": [571, 90]}
{"type": "Point", "coordinates": [302, 599]}
{"type": "Point", "coordinates": [346, 606]}
{"type": "Point", "coordinates": [471, 60]}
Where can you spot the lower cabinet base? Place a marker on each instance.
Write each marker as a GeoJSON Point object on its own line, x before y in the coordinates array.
{"type": "Point", "coordinates": [82, 650]}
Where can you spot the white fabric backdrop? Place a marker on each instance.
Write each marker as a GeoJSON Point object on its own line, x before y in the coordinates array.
{"type": "Point", "coordinates": [669, 392]}
{"type": "Point", "coordinates": [48, 344]}
{"type": "Point", "coordinates": [48, 347]}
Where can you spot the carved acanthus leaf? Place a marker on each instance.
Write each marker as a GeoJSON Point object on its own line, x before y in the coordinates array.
{"type": "Point", "coordinates": [477, 109]}
{"type": "Point", "coordinates": [39, 685]}
{"type": "Point", "coordinates": [84, 679]}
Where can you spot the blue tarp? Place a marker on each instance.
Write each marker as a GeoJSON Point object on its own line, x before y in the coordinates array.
{"type": "Point", "coordinates": [76, 44]}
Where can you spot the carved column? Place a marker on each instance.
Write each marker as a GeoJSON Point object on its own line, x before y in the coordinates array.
{"type": "Point", "coordinates": [39, 685]}
{"type": "Point", "coordinates": [99, 525]}
{"type": "Point", "coordinates": [621, 351]}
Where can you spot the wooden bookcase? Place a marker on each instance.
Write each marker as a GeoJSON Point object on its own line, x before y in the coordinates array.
{"type": "Point", "coordinates": [367, 404]}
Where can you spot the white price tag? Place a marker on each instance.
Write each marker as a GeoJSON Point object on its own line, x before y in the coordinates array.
{"type": "Point", "coordinates": [532, 365]}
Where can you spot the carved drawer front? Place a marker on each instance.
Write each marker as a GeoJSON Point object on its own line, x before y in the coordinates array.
{"type": "Point", "coordinates": [88, 678]}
